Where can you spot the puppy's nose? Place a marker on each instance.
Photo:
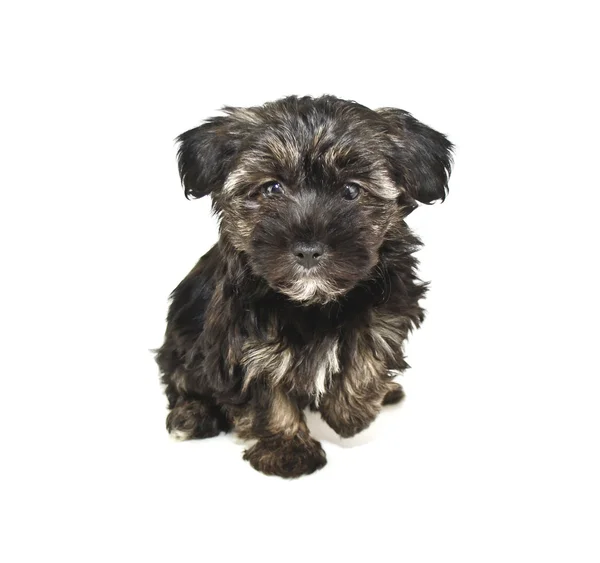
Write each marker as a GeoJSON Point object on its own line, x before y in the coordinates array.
{"type": "Point", "coordinates": [308, 254]}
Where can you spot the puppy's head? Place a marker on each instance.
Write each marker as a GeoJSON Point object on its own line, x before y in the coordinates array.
{"type": "Point", "coordinates": [310, 188]}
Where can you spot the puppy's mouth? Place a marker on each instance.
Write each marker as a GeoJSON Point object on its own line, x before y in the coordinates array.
{"type": "Point", "coordinates": [310, 283]}
{"type": "Point", "coordinates": [310, 286]}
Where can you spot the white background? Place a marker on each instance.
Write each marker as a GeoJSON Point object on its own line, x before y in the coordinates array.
{"type": "Point", "coordinates": [494, 454]}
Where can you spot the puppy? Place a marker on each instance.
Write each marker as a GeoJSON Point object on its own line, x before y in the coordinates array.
{"type": "Point", "coordinates": [311, 290]}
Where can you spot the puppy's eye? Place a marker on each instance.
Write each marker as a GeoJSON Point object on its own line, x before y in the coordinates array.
{"type": "Point", "coordinates": [350, 191]}
{"type": "Point", "coordinates": [272, 189]}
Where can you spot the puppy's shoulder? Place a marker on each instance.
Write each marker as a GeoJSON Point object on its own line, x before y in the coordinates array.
{"type": "Point", "coordinates": [191, 297]}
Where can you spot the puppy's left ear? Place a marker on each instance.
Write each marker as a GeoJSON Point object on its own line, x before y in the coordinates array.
{"type": "Point", "coordinates": [206, 154]}
{"type": "Point", "coordinates": [421, 160]}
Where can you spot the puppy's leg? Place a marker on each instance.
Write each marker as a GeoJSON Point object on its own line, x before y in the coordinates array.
{"type": "Point", "coordinates": [195, 418]}
{"type": "Point", "coordinates": [394, 394]}
{"type": "Point", "coordinates": [284, 446]}
{"type": "Point", "coordinates": [355, 397]}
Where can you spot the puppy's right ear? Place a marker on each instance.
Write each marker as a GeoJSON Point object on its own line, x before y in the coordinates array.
{"type": "Point", "coordinates": [422, 159]}
{"type": "Point", "coordinates": [206, 155]}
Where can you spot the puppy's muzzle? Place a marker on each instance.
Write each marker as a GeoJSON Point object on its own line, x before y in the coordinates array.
{"type": "Point", "coordinates": [308, 254]}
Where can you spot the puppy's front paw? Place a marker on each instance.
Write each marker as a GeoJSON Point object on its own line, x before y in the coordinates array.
{"type": "Point", "coordinates": [350, 428]}
{"type": "Point", "coordinates": [194, 419]}
{"type": "Point", "coordinates": [348, 423]}
{"type": "Point", "coordinates": [286, 457]}
{"type": "Point", "coordinates": [394, 395]}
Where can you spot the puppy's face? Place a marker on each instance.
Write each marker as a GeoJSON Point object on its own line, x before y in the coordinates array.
{"type": "Point", "coordinates": [309, 189]}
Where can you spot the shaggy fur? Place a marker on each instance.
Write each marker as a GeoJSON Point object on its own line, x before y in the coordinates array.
{"type": "Point", "coordinates": [311, 290]}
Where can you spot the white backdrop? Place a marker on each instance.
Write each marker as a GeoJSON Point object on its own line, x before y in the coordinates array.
{"type": "Point", "coordinates": [494, 454]}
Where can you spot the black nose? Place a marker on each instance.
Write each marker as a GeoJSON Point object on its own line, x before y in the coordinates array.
{"type": "Point", "coordinates": [308, 254]}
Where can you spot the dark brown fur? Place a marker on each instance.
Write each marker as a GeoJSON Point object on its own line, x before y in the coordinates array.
{"type": "Point", "coordinates": [253, 336]}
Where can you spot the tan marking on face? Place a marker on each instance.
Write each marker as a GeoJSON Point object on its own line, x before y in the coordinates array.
{"type": "Point", "coordinates": [335, 154]}
{"type": "Point", "coordinates": [285, 151]}
{"type": "Point", "coordinates": [385, 186]}
{"type": "Point", "coordinates": [233, 179]}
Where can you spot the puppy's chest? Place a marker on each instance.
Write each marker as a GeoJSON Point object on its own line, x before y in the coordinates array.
{"type": "Point", "coordinates": [303, 362]}
{"type": "Point", "coordinates": [303, 351]}
{"type": "Point", "coordinates": [305, 359]}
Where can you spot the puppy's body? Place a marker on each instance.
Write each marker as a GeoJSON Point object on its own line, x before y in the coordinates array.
{"type": "Point", "coordinates": [307, 298]}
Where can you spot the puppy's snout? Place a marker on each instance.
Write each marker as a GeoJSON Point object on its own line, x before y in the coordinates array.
{"type": "Point", "coordinates": [308, 254]}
